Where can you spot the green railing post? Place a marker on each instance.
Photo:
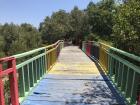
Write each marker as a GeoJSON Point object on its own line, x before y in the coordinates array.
{"type": "Point", "coordinates": [134, 88]}
{"type": "Point", "coordinates": [124, 78]}
{"type": "Point", "coordinates": [31, 75]}
{"type": "Point", "coordinates": [26, 78]}
{"type": "Point", "coordinates": [21, 83]}
{"type": "Point", "coordinates": [35, 71]}
{"type": "Point", "coordinates": [45, 61]}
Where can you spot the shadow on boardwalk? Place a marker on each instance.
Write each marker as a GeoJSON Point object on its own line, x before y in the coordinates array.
{"type": "Point", "coordinates": [98, 93]}
{"type": "Point", "coordinates": [74, 80]}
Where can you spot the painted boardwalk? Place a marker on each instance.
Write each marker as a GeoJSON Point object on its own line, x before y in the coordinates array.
{"type": "Point", "coordinates": [74, 80]}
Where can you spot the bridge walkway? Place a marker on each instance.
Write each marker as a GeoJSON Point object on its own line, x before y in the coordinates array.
{"type": "Point", "coordinates": [74, 80]}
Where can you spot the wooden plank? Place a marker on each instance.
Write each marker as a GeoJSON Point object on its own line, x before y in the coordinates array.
{"type": "Point", "coordinates": [73, 80]}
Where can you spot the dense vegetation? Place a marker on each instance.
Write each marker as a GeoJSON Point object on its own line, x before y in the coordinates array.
{"type": "Point", "coordinates": [126, 29]}
{"type": "Point", "coordinates": [15, 39]}
{"type": "Point", "coordinates": [106, 20]}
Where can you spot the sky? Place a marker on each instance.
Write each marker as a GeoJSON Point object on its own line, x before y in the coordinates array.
{"type": "Point", "coordinates": [35, 11]}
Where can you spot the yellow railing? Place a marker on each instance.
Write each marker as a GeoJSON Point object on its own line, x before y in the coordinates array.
{"type": "Point", "coordinates": [103, 56]}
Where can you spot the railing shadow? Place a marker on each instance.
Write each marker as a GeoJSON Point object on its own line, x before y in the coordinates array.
{"type": "Point", "coordinates": [108, 81]}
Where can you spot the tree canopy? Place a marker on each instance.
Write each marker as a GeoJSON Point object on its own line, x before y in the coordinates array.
{"type": "Point", "coordinates": [107, 19]}
{"type": "Point", "coordinates": [15, 39]}
{"type": "Point", "coordinates": [126, 27]}
{"type": "Point", "coordinates": [78, 24]}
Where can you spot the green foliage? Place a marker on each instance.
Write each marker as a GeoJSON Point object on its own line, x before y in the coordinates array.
{"type": "Point", "coordinates": [15, 39]}
{"type": "Point", "coordinates": [56, 27]}
{"type": "Point", "coordinates": [92, 37]}
{"type": "Point", "coordinates": [7, 92]}
{"type": "Point", "coordinates": [127, 25]}
{"type": "Point", "coordinates": [31, 37]}
{"type": "Point", "coordinates": [76, 25]}
{"type": "Point", "coordinates": [79, 24]}
{"type": "Point", "coordinates": [1, 43]}
{"type": "Point", "coordinates": [100, 21]}
{"type": "Point", "coordinates": [62, 25]}
{"type": "Point", "coordinates": [101, 17]}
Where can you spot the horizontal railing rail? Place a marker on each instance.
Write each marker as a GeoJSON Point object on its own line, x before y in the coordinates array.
{"type": "Point", "coordinates": [31, 66]}
{"type": "Point", "coordinates": [120, 67]}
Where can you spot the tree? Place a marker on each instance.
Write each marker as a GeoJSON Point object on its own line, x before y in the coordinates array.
{"type": "Point", "coordinates": [31, 36]}
{"type": "Point", "coordinates": [76, 22]}
{"type": "Point", "coordinates": [56, 27]}
{"type": "Point", "coordinates": [101, 17]}
{"type": "Point", "coordinates": [127, 25]}
{"type": "Point", "coordinates": [15, 39]}
{"type": "Point", "coordinates": [10, 34]}
{"type": "Point", "coordinates": [1, 45]}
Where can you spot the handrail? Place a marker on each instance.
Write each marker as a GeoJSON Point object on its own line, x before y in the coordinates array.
{"type": "Point", "coordinates": [35, 50]}
{"type": "Point", "coordinates": [53, 44]}
{"type": "Point", "coordinates": [132, 56]}
{"type": "Point", "coordinates": [28, 53]}
{"type": "Point", "coordinates": [120, 66]}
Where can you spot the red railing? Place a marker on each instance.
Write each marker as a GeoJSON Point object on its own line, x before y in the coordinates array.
{"type": "Point", "coordinates": [10, 72]}
{"type": "Point", "coordinates": [88, 48]}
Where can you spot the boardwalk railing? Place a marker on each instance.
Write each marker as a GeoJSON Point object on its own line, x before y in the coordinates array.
{"type": "Point", "coordinates": [121, 67]}
{"type": "Point", "coordinates": [25, 70]}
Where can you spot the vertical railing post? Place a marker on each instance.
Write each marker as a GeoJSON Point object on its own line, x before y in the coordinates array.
{"type": "Point", "coordinates": [62, 44]}
{"type": "Point", "coordinates": [11, 72]}
{"type": "Point", "coordinates": [46, 61]}
{"type": "Point", "coordinates": [2, 101]}
{"type": "Point", "coordinates": [13, 83]}
{"type": "Point", "coordinates": [83, 46]}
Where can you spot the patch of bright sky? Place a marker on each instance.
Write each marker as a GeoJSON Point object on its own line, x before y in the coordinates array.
{"type": "Point", "coordinates": [34, 11]}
